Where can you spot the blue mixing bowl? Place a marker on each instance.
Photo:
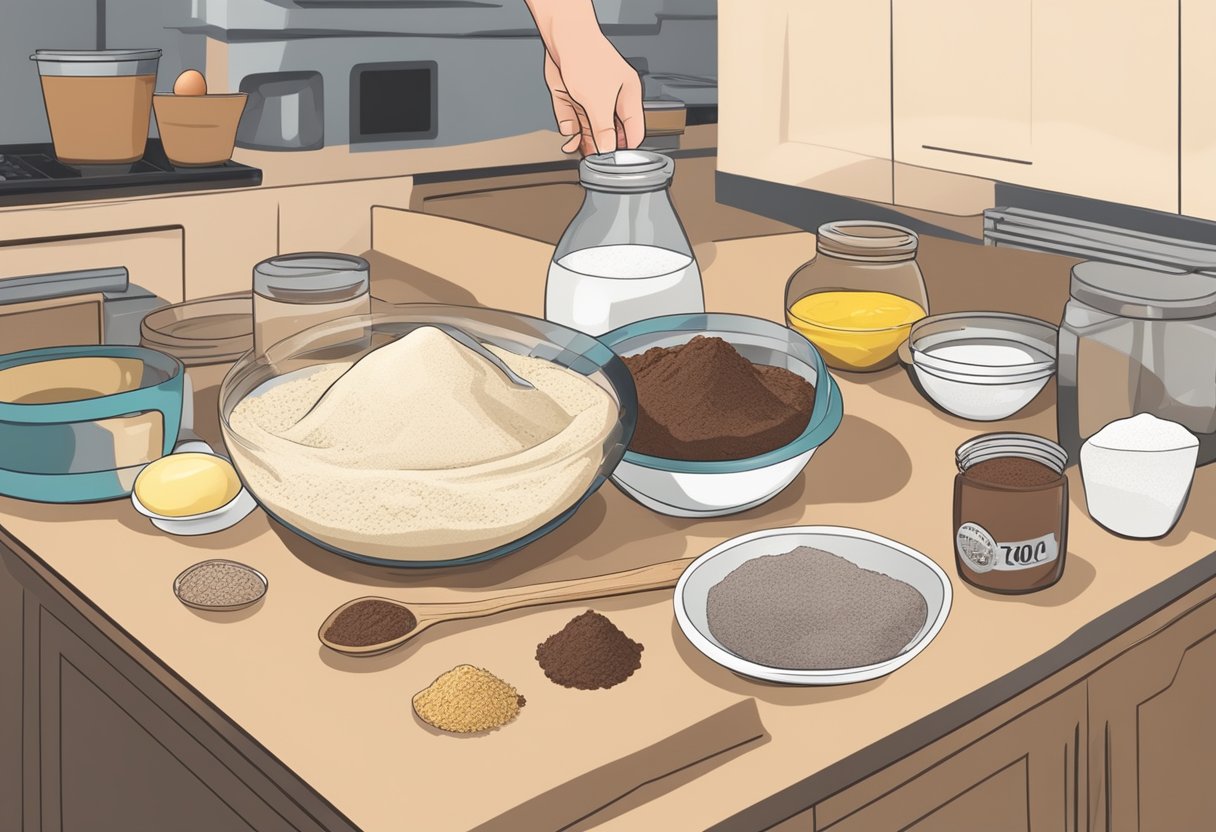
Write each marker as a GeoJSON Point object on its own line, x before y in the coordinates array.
{"type": "Point", "coordinates": [78, 424]}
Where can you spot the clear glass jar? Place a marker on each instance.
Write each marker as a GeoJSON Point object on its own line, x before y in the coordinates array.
{"type": "Point", "coordinates": [625, 256]}
{"type": "Point", "coordinates": [1010, 512]}
{"type": "Point", "coordinates": [293, 292]}
{"type": "Point", "coordinates": [857, 300]}
{"type": "Point", "coordinates": [1137, 340]}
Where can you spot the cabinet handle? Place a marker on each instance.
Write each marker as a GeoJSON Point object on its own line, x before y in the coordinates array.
{"type": "Point", "coordinates": [976, 155]}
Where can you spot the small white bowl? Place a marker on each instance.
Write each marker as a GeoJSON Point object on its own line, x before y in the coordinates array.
{"type": "Point", "coordinates": [208, 522]}
{"type": "Point", "coordinates": [866, 549]}
{"type": "Point", "coordinates": [985, 344]}
{"type": "Point", "coordinates": [980, 400]}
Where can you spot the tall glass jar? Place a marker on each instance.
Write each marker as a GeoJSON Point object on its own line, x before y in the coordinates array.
{"type": "Point", "coordinates": [625, 255]}
{"type": "Point", "coordinates": [293, 292]}
{"type": "Point", "coordinates": [857, 300]}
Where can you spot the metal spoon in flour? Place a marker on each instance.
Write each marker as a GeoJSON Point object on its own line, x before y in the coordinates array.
{"type": "Point", "coordinates": [476, 346]}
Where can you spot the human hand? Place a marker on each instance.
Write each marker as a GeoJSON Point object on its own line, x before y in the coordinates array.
{"type": "Point", "coordinates": [597, 95]}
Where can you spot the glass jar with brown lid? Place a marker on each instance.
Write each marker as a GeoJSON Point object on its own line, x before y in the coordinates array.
{"type": "Point", "coordinates": [861, 294]}
{"type": "Point", "coordinates": [1010, 512]}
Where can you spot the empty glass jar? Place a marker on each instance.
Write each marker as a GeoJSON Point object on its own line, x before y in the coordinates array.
{"type": "Point", "coordinates": [625, 256]}
{"type": "Point", "coordinates": [857, 300]}
{"type": "Point", "coordinates": [293, 292]}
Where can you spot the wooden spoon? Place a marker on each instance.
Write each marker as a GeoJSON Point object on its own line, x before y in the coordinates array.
{"type": "Point", "coordinates": [643, 579]}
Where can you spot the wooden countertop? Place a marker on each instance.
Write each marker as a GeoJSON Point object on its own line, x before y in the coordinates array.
{"type": "Point", "coordinates": [344, 725]}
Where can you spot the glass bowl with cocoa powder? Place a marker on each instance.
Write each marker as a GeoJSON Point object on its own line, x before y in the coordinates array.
{"type": "Point", "coordinates": [731, 408]}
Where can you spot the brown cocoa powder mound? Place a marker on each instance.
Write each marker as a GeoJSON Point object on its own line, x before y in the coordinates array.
{"type": "Point", "coordinates": [1014, 471]}
{"type": "Point", "coordinates": [370, 622]}
{"type": "Point", "coordinates": [704, 401]}
{"type": "Point", "coordinates": [589, 653]}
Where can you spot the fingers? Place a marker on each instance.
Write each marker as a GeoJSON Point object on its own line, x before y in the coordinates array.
{"type": "Point", "coordinates": [564, 111]}
{"type": "Point", "coordinates": [629, 111]}
{"type": "Point", "coordinates": [603, 125]}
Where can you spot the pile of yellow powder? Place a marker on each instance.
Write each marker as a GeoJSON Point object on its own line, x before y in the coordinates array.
{"type": "Point", "coordinates": [466, 700]}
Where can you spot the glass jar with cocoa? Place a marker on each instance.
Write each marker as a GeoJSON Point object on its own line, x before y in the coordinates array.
{"type": "Point", "coordinates": [1010, 512]}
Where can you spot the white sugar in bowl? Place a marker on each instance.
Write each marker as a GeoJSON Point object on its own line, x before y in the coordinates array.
{"type": "Point", "coordinates": [1137, 475]}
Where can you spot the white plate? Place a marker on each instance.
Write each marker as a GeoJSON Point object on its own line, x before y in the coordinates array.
{"type": "Point", "coordinates": [867, 550]}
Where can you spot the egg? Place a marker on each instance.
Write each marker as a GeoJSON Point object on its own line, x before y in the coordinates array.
{"type": "Point", "coordinates": [181, 485]}
{"type": "Point", "coordinates": [190, 82]}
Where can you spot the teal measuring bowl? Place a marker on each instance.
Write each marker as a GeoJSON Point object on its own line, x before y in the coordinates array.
{"type": "Point", "coordinates": [78, 424]}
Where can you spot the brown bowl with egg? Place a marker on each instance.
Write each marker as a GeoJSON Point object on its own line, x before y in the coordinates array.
{"type": "Point", "coordinates": [197, 128]}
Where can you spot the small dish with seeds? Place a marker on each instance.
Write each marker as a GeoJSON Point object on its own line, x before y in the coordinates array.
{"type": "Point", "coordinates": [220, 586]}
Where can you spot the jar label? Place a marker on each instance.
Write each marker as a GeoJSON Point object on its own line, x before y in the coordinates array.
{"type": "Point", "coordinates": [983, 553]}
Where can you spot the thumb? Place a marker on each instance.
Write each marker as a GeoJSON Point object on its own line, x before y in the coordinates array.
{"type": "Point", "coordinates": [603, 126]}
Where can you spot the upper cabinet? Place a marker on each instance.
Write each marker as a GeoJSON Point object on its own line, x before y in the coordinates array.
{"type": "Point", "coordinates": [805, 94]}
{"type": "Point", "coordinates": [1198, 196]}
{"type": "Point", "coordinates": [1079, 97]}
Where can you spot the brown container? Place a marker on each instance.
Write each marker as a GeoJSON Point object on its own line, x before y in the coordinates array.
{"type": "Point", "coordinates": [198, 130]}
{"type": "Point", "coordinates": [208, 336]}
{"type": "Point", "coordinates": [1011, 522]}
{"type": "Point", "coordinates": [98, 102]}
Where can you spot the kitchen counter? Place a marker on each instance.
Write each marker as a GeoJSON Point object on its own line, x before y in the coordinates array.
{"type": "Point", "coordinates": [343, 725]}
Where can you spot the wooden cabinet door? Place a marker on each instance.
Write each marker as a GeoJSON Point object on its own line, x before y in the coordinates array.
{"type": "Point", "coordinates": [805, 94]}
{"type": "Point", "coordinates": [1078, 97]}
{"type": "Point", "coordinates": [1024, 775]}
{"type": "Point", "coordinates": [11, 699]}
{"type": "Point", "coordinates": [111, 759]}
{"type": "Point", "coordinates": [1152, 721]}
{"type": "Point", "coordinates": [1197, 197]}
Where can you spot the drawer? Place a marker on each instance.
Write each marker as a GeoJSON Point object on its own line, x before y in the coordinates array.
{"type": "Point", "coordinates": [152, 256]}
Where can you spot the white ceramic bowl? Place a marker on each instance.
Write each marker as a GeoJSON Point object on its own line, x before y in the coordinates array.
{"type": "Point", "coordinates": [866, 549]}
{"type": "Point", "coordinates": [686, 488]}
{"type": "Point", "coordinates": [987, 344]}
{"type": "Point", "coordinates": [977, 398]}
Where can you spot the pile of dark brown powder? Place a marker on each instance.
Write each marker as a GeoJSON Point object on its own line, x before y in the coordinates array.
{"type": "Point", "coordinates": [704, 401]}
{"type": "Point", "coordinates": [589, 653]}
{"type": "Point", "coordinates": [811, 610]}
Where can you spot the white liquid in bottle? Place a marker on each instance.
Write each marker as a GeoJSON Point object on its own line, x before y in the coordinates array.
{"type": "Point", "coordinates": [598, 289]}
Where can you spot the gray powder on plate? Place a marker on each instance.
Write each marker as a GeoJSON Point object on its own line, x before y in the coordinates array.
{"type": "Point", "coordinates": [811, 610]}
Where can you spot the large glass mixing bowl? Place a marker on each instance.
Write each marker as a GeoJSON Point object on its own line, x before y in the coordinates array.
{"type": "Point", "coordinates": [346, 340]}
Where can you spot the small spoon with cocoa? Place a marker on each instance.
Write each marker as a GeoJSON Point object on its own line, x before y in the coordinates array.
{"type": "Point", "coordinates": [372, 625]}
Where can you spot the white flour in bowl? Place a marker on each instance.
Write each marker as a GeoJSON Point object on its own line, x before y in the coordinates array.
{"type": "Point", "coordinates": [422, 450]}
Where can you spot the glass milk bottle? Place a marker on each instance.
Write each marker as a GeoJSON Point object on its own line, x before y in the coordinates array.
{"type": "Point", "coordinates": [625, 256]}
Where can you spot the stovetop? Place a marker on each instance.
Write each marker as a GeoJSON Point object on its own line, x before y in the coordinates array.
{"type": "Point", "coordinates": [30, 174]}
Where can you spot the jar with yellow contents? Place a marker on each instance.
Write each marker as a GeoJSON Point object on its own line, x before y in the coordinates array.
{"type": "Point", "coordinates": [857, 300]}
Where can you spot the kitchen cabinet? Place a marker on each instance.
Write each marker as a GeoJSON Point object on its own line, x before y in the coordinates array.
{"type": "Point", "coordinates": [945, 98]}
{"type": "Point", "coordinates": [89, 739]}
{"type": "Point", "coordinates": [153, 256]}
{"type": "Point", "coordinates": [1152, 745]}
{"type": "Point", "coordinates": [1026, 774]}
{"type": "Point", "coordinates": [1078, 97]}
{"type": "Point", "coordinates": [1198, 123]}
{"type": "Point", "coordinates": [805, 94]}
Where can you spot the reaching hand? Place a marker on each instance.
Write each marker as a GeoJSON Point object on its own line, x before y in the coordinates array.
{"type": "Point", "coordinates": [597, 95]}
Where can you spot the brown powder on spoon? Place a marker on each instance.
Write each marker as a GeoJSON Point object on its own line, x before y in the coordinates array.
{"type": "Point", "coordinates": [704, 401]}
{"type": "Point", "coordinates": [589, 653]}
{"type": "Point", "coordinates": [371, 621]}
